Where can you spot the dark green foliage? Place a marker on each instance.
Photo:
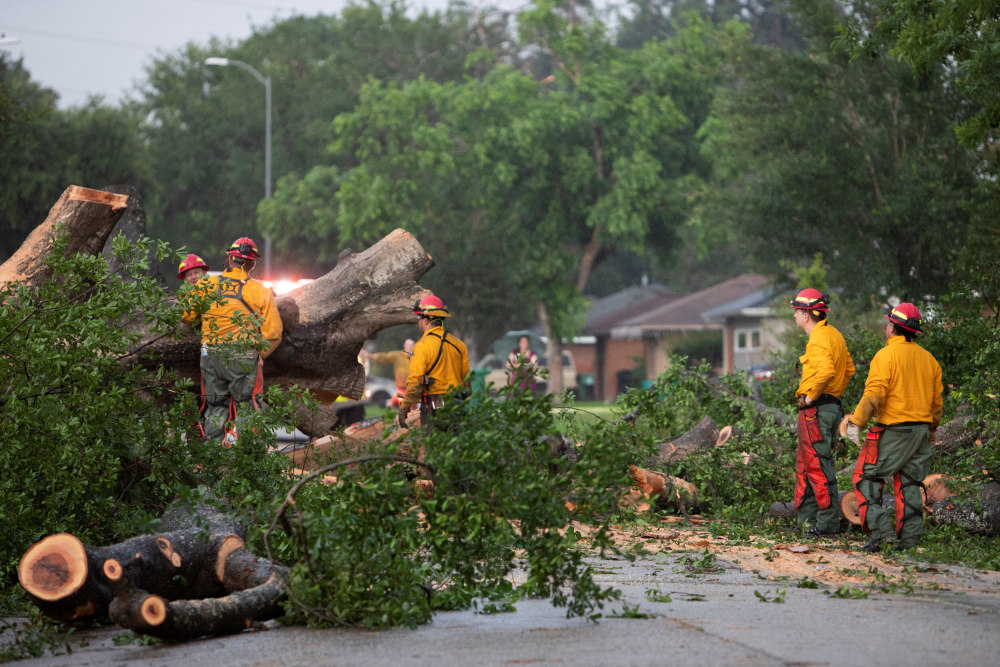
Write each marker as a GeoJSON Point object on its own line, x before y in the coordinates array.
{"type": "Point", "coordinates": [369, 554]}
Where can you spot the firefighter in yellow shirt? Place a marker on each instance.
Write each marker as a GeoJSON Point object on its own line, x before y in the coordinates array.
{"type": "Point", "coordinates": [903, 395]}
{"type": "Point", "coordinates": [241, 311]}
{"type": "Point", "coordinates": [439, 362]}
{"type": "Point", "coordinates": [826, 369]}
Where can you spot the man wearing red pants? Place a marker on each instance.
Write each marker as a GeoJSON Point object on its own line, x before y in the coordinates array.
{"type": "Point", "coordinates": [826, 370]}
{"type": "Point", "coordinates": [903, 394]}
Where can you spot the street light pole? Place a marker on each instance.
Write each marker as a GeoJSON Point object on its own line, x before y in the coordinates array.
{"type": "Point", "coordinates": [266, 81]}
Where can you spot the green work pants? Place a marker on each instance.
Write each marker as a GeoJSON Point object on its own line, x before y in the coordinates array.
{"type": "Point", "coordinates": [905, 450]}
{"type": "Point", "coordinates": [230, 382]}
{"type": "Point", "coordinates": [828, 416]}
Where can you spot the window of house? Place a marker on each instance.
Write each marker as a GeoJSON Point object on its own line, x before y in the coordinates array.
{"type": "Point", "coordinates": [747, 340]}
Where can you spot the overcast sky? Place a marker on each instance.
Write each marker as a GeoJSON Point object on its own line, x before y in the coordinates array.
{"type": "Point", "coordinates": [100, 47]}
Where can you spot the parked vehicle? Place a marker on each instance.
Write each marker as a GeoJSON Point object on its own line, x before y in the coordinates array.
{"type": "Point", "coordinates": [379, 391]}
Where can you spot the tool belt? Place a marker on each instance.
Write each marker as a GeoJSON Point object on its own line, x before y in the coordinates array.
{"type": "Point", "coordinates": [432, 401]}
{"type": "Point", "coordinates": [825, 399]}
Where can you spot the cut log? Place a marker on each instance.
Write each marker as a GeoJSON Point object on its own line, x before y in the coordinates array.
{"type": "Point", "coordinates": [703, 436]}
{"type": "Point", "coordinates": [727, 433]}
{"type": "Point", "coordinates": [85, 219]}
{"type": "Point", "coordinates": [786, 510]}
{"type": "Point", "coordinates": [199, 555]}
{"type": "Point", "coordinates": [783, 511]}
{"type": "Point", "coordinates": [256, 598]}
{"type": "Point", "coordinates": [982, 517]}
{"type": "Point", "coordinates": [937, 487]}
{"type": "Point", "coordinates": [665, 490]}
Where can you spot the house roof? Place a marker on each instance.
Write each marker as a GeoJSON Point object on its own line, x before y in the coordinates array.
{"type": "Point", "coordinates": [756, 304]}
{"type": "Point", "coordinates": [607, 312]}
{"type": "Point", "coordinates": [688, 312]}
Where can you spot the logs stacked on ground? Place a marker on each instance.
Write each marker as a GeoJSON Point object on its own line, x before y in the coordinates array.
{"type": "Point", "coordinates": [194, 578]}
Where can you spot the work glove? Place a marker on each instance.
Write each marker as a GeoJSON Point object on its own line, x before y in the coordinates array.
{"type": "Point", "coordinates": [933, 436]}
{"type": "Point", "coordinates": [854, 433]}
{"type": "Point", "coordinates": [803, 401]}
{"type": "Point", "coordinates": [401, 418]}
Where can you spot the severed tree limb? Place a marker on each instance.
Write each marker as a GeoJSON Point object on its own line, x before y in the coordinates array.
{"type": "Point", "coordinates": [702, 436]}
{"type": "Point", "coordinates": [84, 217]}
{"type": "Point", "coordinates": [981, 516]}
{"type": "Point", "coordinates": [259, 587]}
{"type": "Point", "coordinates": [325, 322]}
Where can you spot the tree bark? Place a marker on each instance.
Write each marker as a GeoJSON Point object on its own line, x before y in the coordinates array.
{"type": "Point", "coordinates": [703, 436]}
{"type": "Point", "coordinates": [962, 430]}
{"type": "Point", "coordinates": [982, 518]}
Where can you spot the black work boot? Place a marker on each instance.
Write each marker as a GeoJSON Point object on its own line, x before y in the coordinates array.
{"type": "Point", "coordinates": [815, 533]}
{"type": "Point", "coordinates": [875, 544]}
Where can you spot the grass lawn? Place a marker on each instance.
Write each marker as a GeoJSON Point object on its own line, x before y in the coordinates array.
{"type": "Point", "coordinates": [589, 411]}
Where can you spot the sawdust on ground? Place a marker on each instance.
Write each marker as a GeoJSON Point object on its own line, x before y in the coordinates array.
{"type": "Point", "coordinates": [834, 563]}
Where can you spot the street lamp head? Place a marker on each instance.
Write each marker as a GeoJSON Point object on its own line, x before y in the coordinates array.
{"type": "Point", "coordinates": [220, 62]}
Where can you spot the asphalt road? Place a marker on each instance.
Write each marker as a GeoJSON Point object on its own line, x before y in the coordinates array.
{"type": "Point", "coordinates": [711, 618]}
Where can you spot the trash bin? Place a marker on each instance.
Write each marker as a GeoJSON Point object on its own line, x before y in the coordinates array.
{"type": "Point", "coordinates": [587, 386]}
{"type": "Point", "coordinates": [646, 384]}
{"type": "Point", "coordinates": [477, 379]}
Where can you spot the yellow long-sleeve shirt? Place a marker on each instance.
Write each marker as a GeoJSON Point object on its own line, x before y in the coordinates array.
{"type": "Point", "coordinates": [400, 362]}
{"type": "Point", "coordinates": [449, 371]}
{"type": "Point", "coordinates": [904, 385]}
{"type": "Point", "coordinates": [230, 320]}
{"type": "Point", "coordinates": [826, 365]}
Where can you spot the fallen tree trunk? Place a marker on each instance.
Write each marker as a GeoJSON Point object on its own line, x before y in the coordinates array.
{"type": "Point", "coordinates": [138, 583]}
{"type": "Point", "coordinates": [702, 436]}
{"type": "Point", "coordinates": [982, 517]}
{"type": "Point", "coordinates": [960, 431]}
{"type": "Point", "coordinates": [325, 322]}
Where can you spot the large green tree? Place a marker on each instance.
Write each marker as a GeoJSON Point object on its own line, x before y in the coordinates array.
{"type": "Point", "coordinates": [960, 38]}
{"type": "Point", "coordinates": [519, 182]}
{"type": "Point", "coordinates": [816, 152]}
{"type": "Point", "coordinates": [46, 149]}
{"type": "Point", "coordinates": [206, 131]}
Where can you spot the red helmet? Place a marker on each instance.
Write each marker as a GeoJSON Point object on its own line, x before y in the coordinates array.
{"type": "Point", "coordinates": [811, 299]}
{"type": "Point", "coordinates": [191, 262]}
{"type": "Point", "coordinates": [905, 315]}
{"type": "Point", "coordinates": [431, 306]}
{"type": "Point", "coordinates": [244, 248]}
